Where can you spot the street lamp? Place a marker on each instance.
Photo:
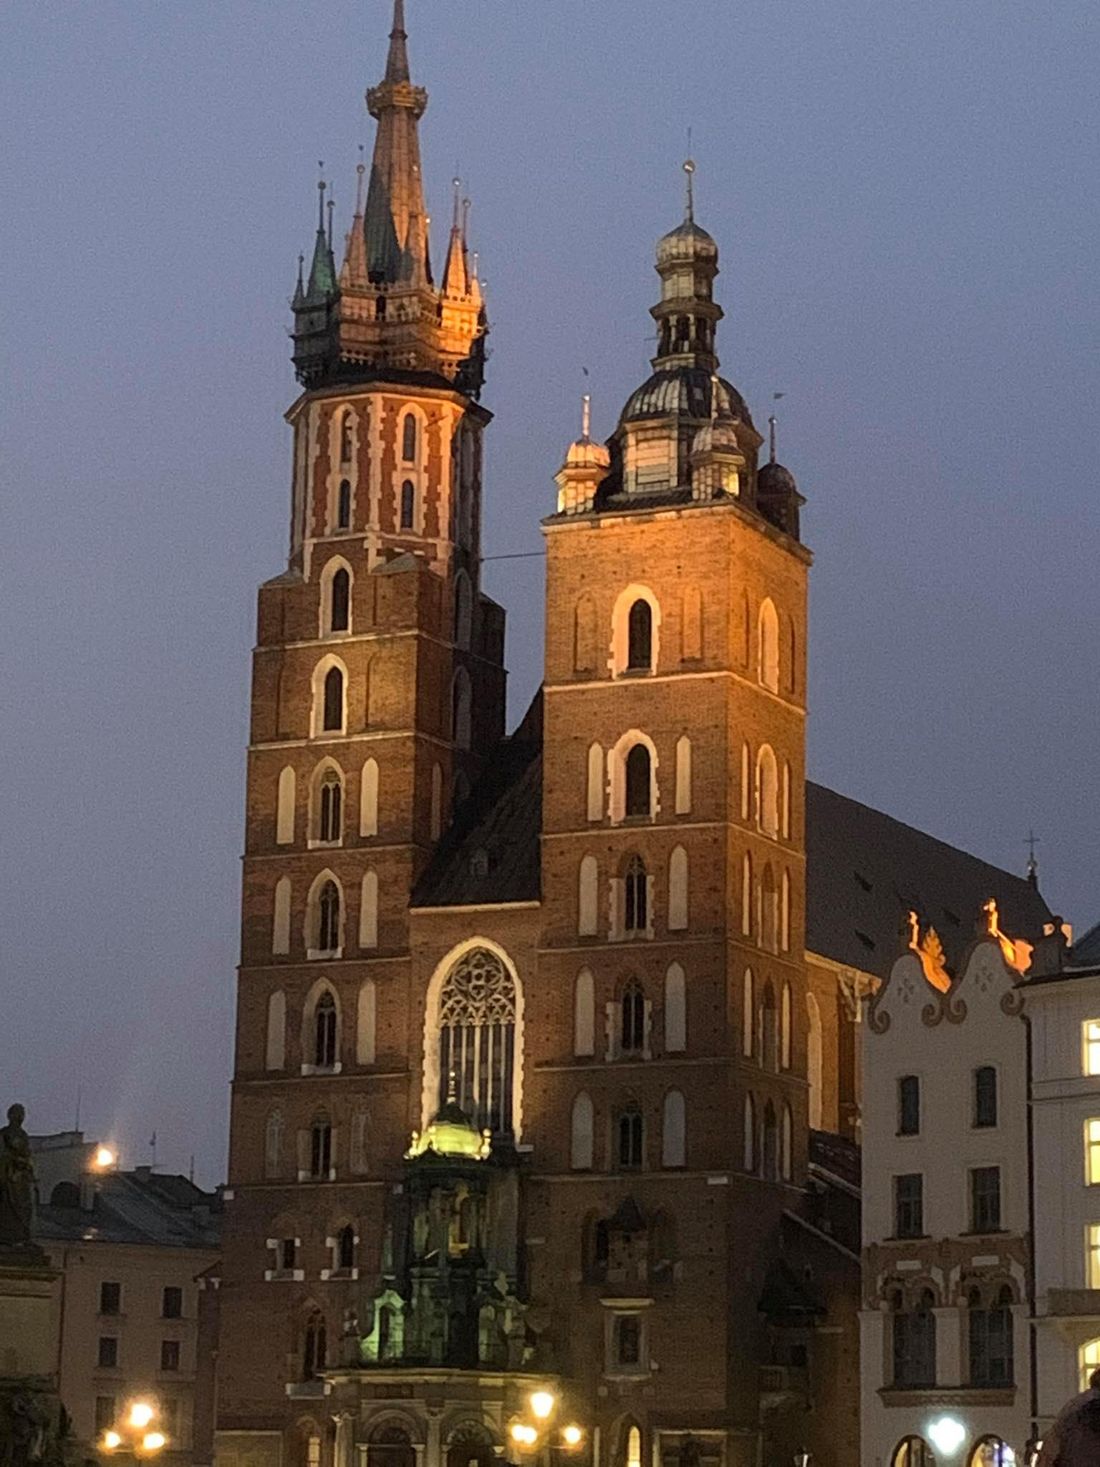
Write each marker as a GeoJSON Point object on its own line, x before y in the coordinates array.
{"type": "Point", "coordinates": [136, 1433]}
{"type": "Point", "coordinates": [536, 1428]}
{"type": "Point", "coordinates": [947, 1435]}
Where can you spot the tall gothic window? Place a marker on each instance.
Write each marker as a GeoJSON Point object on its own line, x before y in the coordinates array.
{"type": "Point", "coordinates": [324, 1032]}
{"type": "Point", "coordinates": [408, 505]}
{"type": "Point", "coordinates": [640, 637]}
{"type": "Point", "coordinates": [345, 1248]}
{"type": "Point", "coordinates": [638, 792]}
{"type": "Point", "coordinates": [636, 896]}
{"type": "Point", "coordinates": [632, 1016]}
{"type": "Point", "coordinates": [630, 1139]}
{"type": "Point", "coordinates": [343, 505]}
{"type": "Point", "coordinates": [340, 613]}
{"type": "Point", "coordinates": [477, 1032]}
{"type": "Point", "coordinates": [914, 1342]}
{"type": "Point", "coordinates": [314, 1346]}
{"type": "Point", "coordinates": [320, 1149]}
{"type": "Point", "coordinates": [328, 918]}
{"type": "Point", "coordinates": [408, 439]}
{"type": "Point", "coordinates": [334, 701]}
{"type": "Point", "coordinates": [331, 808]}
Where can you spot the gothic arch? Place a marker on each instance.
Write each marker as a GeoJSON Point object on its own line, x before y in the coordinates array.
{"type": "Point", "coordinates": [310, 1047]}
{"type": "Point", "coordinates": [768, 645]}
{"type": "Point", "coordinates": [335, 603]}
{"type": "Point", "coordinates": [617, 759]}
{"type": "Point", "coordinates": [619, 662]}
{"type": "Point", "coordinates": [324, 700]}
{"type": "Point", "coordinates": [317, 940]}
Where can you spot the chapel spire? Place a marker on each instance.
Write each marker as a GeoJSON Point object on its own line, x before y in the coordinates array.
{"type": "Point", "coordinates": [395, 224]}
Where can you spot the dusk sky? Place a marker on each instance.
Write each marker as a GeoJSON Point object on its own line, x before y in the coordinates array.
{"type": "Point", "coordinates": [907, 203]}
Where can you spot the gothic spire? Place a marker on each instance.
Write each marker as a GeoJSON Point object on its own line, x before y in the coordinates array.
{"type": "Point", "coordinates": [322, 272]}
{"type": "Point", "coordinates": [454, 276]}
{"type": "Point", "coordinates": [354, 272]}
{"type": "Point", "coordinates": [395, 222]}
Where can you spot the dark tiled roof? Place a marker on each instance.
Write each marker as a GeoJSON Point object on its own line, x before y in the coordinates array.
{"type": "Point", "coordinates": [491, 852]}
{"type": "Point", "coordinates": [865, 870]}
{"type": "Point", "coordinates": [134, 1207]}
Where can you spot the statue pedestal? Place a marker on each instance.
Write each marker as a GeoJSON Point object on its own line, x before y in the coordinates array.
{"type": "Point", "coordinates": [29, 1322]}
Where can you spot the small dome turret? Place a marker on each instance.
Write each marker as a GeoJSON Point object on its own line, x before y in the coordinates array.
{"type": "Point", "coordinates": [777, 497]}
{"type": "Point", "coordinates": [585, 468]}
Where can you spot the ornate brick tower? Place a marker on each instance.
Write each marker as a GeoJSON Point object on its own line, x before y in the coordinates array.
{"type": "Point", "coordinates": [378, 689]}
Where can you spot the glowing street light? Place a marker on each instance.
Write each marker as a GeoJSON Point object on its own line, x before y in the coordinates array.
{"type": "Point", "coordinates": [153, 1441]}
{"type": "Point", "coordinates": [947, 1435]}
{"type": "Point", "coordinates": [104, 1158]}
{"type": "Point", "coordinates": [111, 1440]}
{"type": "Point", "coordinates": [141, 1413]}
{"type": "Point", "coordinates": [542, 1404]}
{"type": "Point", "coordinates": [572, 1435]}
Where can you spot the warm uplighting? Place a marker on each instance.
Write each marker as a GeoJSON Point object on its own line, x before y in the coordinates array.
{"type": "Point", "coordinates": [572, 1436]}
{"type": "Point", "coordinates": [152, 1441]}
{"type": "Point", "coordinates": [111, 1440]}
{"type": "Point", "coordinates": [104, 1158]}
{"type": "Point", "coordinates": [542, 1404]}
{"type": "Point", "coordinates": [141, 1413]}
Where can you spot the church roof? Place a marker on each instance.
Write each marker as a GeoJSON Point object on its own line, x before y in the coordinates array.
{"type": "Point", "coordinates": [865, 870]}
{"type": "Point", "coordinates": [139, 1207]}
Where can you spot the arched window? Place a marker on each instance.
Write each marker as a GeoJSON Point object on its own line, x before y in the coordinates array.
{"type": "Point", "coordinates": [332, 717]}
{"type": "Point", "coordinates": [913, 1451]}
{"type": "Point", "coordinates": [632, 1020]}
{"type": "Point", "coordinates": [769, 646]}
{"type": "Point", "coordinates": [631, 1139]}
{"type": "Point", "coordinates": [346, 437]}
{"type": "Point", "coordinates": [581, 1128]}
{"type": "Point", "coordinates": [771, 1143]}
{"type": "Point", "coordinates": [330, 808]}
{"type": "Point", "coordinates": [320, 1149]}
{"type": "Point", "coordinates": [785, 1027]}
{"type": "Point", "coordinates": [477, 1032]}
{"type": "Point", "coordinates": [768, 1047]}
{"type": "Point", "coordinates": [368, 910]}
{"type": "Point", "coordinates": [814, 1061]}
{"type": "Point", "coordinates": [674, 1131]}
{"type": "Point", "coordinates": [460, 709]}
{"type": "Point", "coordinates": [991, 1451]}
{"type": "Point", "coordinates": [280, 925]}
{"type": "Point", "coordinates": [914, 1342]}
{"type": "Point", "coordinates": [678, 890]}
{"type": "Point", "coordinates": [273, 1146]}
{"type": "Point", "coordinates": [368, 800]}
{"type": "Point", "coordinates": [584, 1014]}
{"type": "Point", "coordinates": [328, 918]}
{"type": "Point", "coordinates": [1088, 1360]}
{"type": "Point", "coordinates": [786, 1143]}
{"type": "Point", "coordinates": [408, 439]}
{"type": "Point", "coordinates": [636, 896]}
{"type": "Point", "coordinates": [588, 897]}
{"type": "Point", "coordinates": [746, 791]}
{"type": "Point", "coordinates": [340, 602]}
{"type": "Point", "coordinates": [324, 1032]}
{"type": "Point", "coordinates": [595, 783]}
{"type": "Point", "coordinates": [343, 505]}
{"type": "Point", "coordinates": [366, 1023]}
{"type": "Point", "coordinates": [767, 791]}
{"type": "Point", "coordinates": [389, 1446]}
{"type": "Point", "coordinates": [345, 1248]}
{"type": "Point", "coordinates": [632, 1457]}
{"type": "Point", "coordinates": [639, 793]}
{"type": "Point", "coordinates": [463, 610]}
{"type": "Point", "coordinates": [275, 1051]}
{"type": "Point", "coordinates": [314, 1346]}
{"type": "Point", "coordinates": [748, 1160]}
{"type": "Point", "coordinates": [748, 1014]}
{"type": "Point", "coordinates": [284, 817]}
{"type": "Point", "coordinates": [991, 1354]}
{"type": "Point", "coordinates": [675, 1010]}
{"type": "Point", "coordinates": [408, 505]}
{"type": "Point", "coordinates": [639, 656]}
{"type": "Point", "coordinates": [683, 775]}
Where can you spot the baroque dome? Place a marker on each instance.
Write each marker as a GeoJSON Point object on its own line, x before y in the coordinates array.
{"type": "Point", "coordinates": [688, 241]}
{"type": "Point", "coordinates": [685, 392]}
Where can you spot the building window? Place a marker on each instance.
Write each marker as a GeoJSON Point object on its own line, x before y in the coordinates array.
{"type": "Point", "coordinates": [330, 809]}
{"type": "Point", "coordinates": [769, 647]}
{"type": "Point", "coordinates": [461, 706]}
{"type": "Point", "coordinates": [639, 792]}
{"type": "Point", "coordinates": [909, 1206]}
{"type": "Point", "coordinates": [110, 1298]}
{"type": "Point", "coordinates": [169, 1354]}
{"type": "Point", "coordinates": [627, 1332]}
{"type": "Point", "coordinates": [345, 1249]}
{"type": "Point", "coordinates": [477, 1031]}
{"type": "Point", "coordinates": [767, 792]}
{"type": "Point", "coordinates": [914, 1342]}
{"type": "Point", "coordinates": [1092, 1256]}
{"type": "Point", "coordinates": [107, 1357]}
{"type": "Point", "coordinates": [633, 1455]}
{"type": "Point", "coordinates": [1090, 1036]}
{"type": "Point", "coordinates": [990, 1337]}
{"type": "Point", "coordinates": [991, 1451]}
{"type": "Point", "coordinates": [320, 1149]}
{"type": "Point", "coordinates": [314, 1346]}
{"type": "Point", "coordinates": [273, 1146]}
{"type": "Point", "coordinates": [106, 1411]}
{"type": "Point", "coordinates": [674, 1131]}
{"type": "Point", "coordinates": [630, 1139]}
{"type": "Point", "coordinates": [288, 1255]}
{"type": "Point", "coordinates": [985, 1199]}
{"type": "Point", "coordinates": [913, 1451]}
{"type": "Point", "coordinates": [328, 918]}
{"type": "Point", "coordinates": [985, 1096]}
{"type": "Point", "coordinates": [636, 896]}
{"type": "Point", "coordinates": [408, 439]}
{"type": "Point", "coordinates": [408, 505]}
{"type": "Point", "coordinates": [324, 1032]}
{"type": "Point", "coordinates": [640, 637]}
{"type": "Point", "coordinates": [333, 710]}
{"type": "Point", "coordinates": [171, 1302]}
{"type": "Point", "coordinates": [1092, 1152]}
{"type": "Point", "coordinates": [340, 602]}
{"type": "Point", "coordinates": [345, 438]}
{"type": "Point", "coordinates": [768, 1046]}
{"type": "Point", "coordinates": [343, 505]}
{"type": "Point", "coordinates": [632, 1020]}
{"type": "Point", "coordinates": [1088, 1360]}
{"type": "Point", "coordinates": [909, 1106]}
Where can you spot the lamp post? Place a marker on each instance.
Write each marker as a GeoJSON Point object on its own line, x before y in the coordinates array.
{"type": "Point", "coordinates": [535, 1431]}
{"type": "Point", "coordinates": [137, 1434]}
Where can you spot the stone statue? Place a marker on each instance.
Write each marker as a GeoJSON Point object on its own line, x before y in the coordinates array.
{"type": "Point", "coordinates": [16, 1182]}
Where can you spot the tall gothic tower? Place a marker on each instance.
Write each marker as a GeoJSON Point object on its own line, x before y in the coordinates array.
{"type": "Point", "coordinates": [378, 689]}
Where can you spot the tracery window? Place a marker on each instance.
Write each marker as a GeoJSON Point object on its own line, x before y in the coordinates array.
{"type": "Point", "coordinates": [324, 1032]}
{"type": "Point", "coordinates": [330, 812]}
{"type": "Point", "coordinates": [314, 1346]}
{"type": "Point", "coordinates": [636, 896]}
{"type": "Point", "coordinates": [632, 1020]}
{"type": "Point", "coordinates": [328, 918]}
{"type": "Point", "coordinates": [477, 1032]}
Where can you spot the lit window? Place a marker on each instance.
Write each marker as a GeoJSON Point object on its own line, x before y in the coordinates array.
{"type": "Point", "coordinates": [1092, 1255]}
{"type": "Point", "coordinates": [634, 1447]}
{"type": "Point", "coordinates": [1092, 1152]}
{"type": "Point", "coordinates": [477, 1037]}
{"type": "Point", "coordinates": [1088, 1359]}
{"type": "Point", "coordinates": [1090, 1034]}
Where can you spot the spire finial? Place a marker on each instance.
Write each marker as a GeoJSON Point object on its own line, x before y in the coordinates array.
{"type": "Point", "coordinates": [772, 422]}
{"type": "Point", "coordinates": [331, 205]}
{"type": "Point", "coordinates": [689, 169]}
{"type": "Point", "coordinates": [321, 186]}
{"type": "Point", "coordinates": [586, 417]}
{"type": "Point", "coordinates": [456, 185]}
{"type": "Point", "coordinates": [1032, 860]}
{"type": "Point", "coordinates": [360, 170]}
{"type": "Point", "coordinates": [397, 65]}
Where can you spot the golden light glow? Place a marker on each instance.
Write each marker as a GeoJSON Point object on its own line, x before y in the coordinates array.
{"type": "Point", "coordinates": [524, 1434]}
{"type": "Point", "coordinates": [111, 1440]}
{"type": "Point", "coordinates": [152, 1441]}
{"type": "Point", "coordinates": [104, 1158]}
{"type": "Point", "coordinates": [1090, 1038]}
{"type": "Point", "coordinates": [141, 1413]}
{"type": "Point", "coordinates": [542, 1404]}
{"type": "Point", "coordinates": [572, 1436]}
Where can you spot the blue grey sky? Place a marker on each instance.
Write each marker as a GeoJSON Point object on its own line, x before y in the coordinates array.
{"type": "Point", "coordinates": [907, 204]}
